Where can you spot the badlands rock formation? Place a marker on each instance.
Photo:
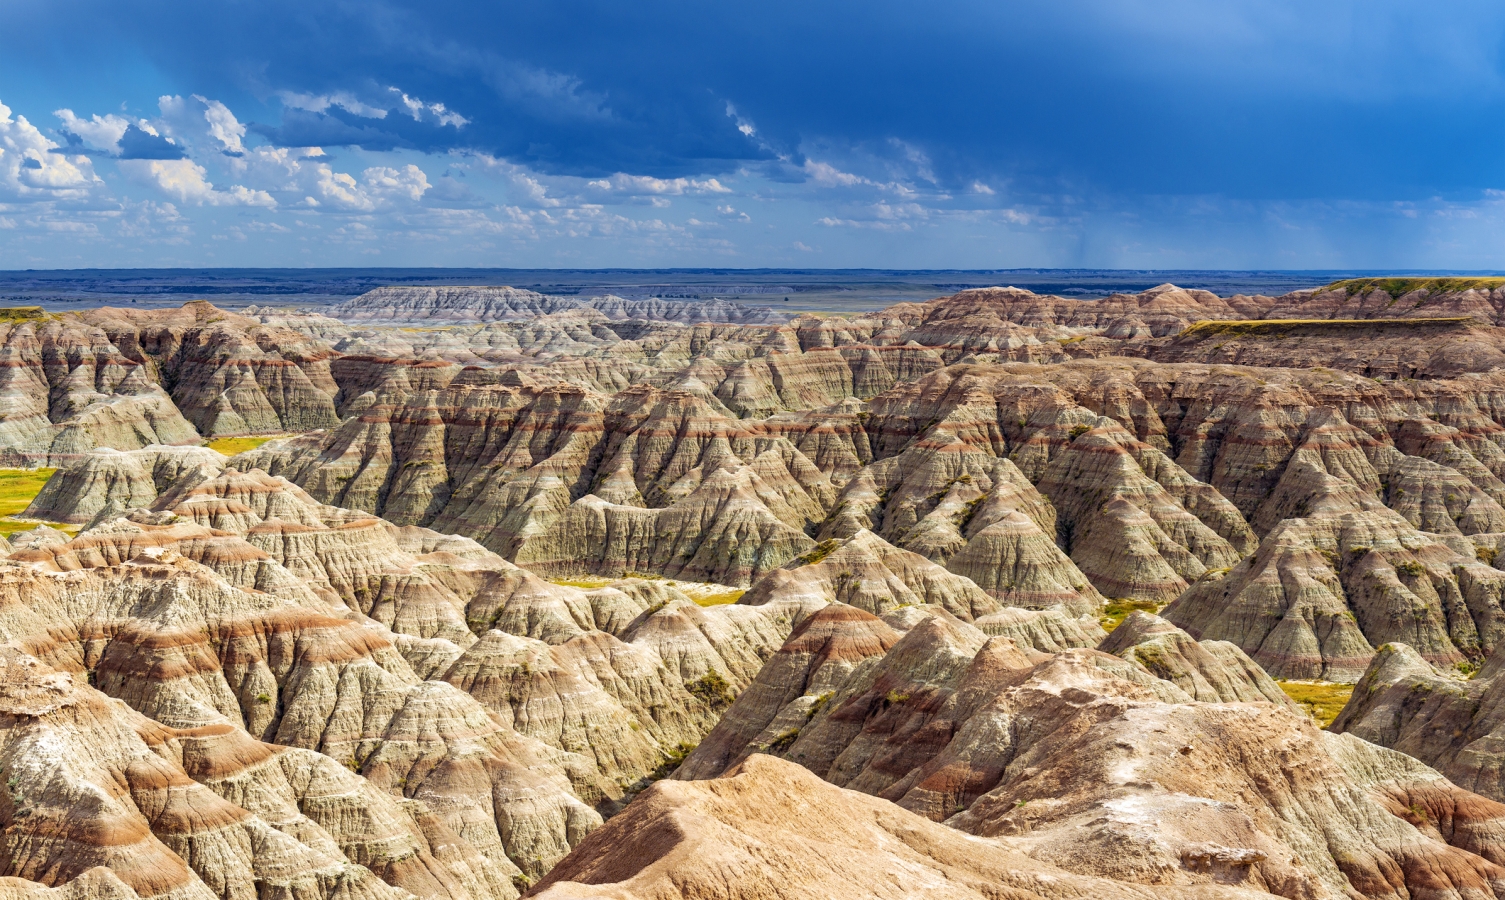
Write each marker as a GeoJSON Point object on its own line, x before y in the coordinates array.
{"type": "Point", "coordinates": [333, 665]}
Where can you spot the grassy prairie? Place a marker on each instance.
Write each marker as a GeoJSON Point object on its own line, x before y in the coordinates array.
{"type": "Point", "coordinates": [585, 582]}
{"type": "Point", "coordinates": [1321, 700]}
{"type": "Point", "coordinates": [18, 487]}
{"type": "Point", "coordinates": [719, 598]}
{"type": "Point", "coordinates": [233, 445]}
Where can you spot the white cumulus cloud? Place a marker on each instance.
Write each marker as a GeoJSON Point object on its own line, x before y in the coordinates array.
{"type": "Point", "coordinates": [223, 126]}
{"type": "Point", "coordinates": [320, 102]}
{"type": "Point", "coordinates": [99, 132]}
{"type": "Point", "coordinates": [186, 181]}
{"type": "Point", "coordinates": [31, 169]}
{"type": "Point", "coordinates": [640, 185]}
{"type": "Point", "coordinates": [420, 110]}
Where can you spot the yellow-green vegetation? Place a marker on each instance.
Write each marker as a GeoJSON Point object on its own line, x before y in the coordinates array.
{"type": "Point", "coordinates": [24, 314]}
{"type": "Point", "coordinates": [822, 550]}
{"type": "Point", "coordinates": [1248, 327]}
{"type": "Point", "coordinates": [18, 487]}
{"type": "Point", "coordinates": [1399, 287]}
{"type": "Point", "coordinates": [588, 582]}
{"type": "Point", "coordinates": [719, 599]}
{"type": "Point", "coordinates": [233, 445]}
{"type": "Point", "coordinates": [1322, 700]}
{"type": "Point", "coordinates": [1118, 610]}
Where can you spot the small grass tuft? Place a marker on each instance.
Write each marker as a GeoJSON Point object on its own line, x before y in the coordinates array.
{"type": "Point", "coordinates": [1118, 610]}
{"type": "Point", "coordinates": [822, 550]}
{"type": "Point", "coordinates": [712, 687]}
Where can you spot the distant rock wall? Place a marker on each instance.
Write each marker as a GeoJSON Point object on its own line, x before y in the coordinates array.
{"type": "Point", "coordinates": [507, 304]}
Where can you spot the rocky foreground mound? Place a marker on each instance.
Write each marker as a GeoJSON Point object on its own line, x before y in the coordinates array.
{"type": "Point", "coordinates": [1164, 766]}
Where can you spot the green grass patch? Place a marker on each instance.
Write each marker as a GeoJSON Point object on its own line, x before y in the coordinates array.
{"type": "Point", "coordinates": [719, 598]}
{"type": "Point", "coordinates": [588, 582]}
{"type": "Point", "coordinates": [1118, 610]}
{"type": "Point", "coordinates": [233, 445]}
{"type": "Point", "coordinates": [1321, 700]}
{"type": "Point", "coordinates": [18, 487]}
{"type": "Point", "coordinates": [1399, 287]}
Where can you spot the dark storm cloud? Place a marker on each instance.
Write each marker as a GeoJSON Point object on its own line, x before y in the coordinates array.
{"type": "Point", "coordinates": [1249, 99]}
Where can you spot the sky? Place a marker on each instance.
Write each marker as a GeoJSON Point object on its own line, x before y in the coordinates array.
{"type": "Point", "coordinates": [1246, 134]}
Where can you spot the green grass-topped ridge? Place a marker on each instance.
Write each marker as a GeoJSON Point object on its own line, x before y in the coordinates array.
{"type": "Point", "coordinates": [24, 314]}
{"type": "Point", "coordinates": [1239, 327]}
{"type": "Point", "coordinates": [1399, 287]}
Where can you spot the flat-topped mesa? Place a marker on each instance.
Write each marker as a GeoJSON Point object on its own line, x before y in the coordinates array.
{"type": "Point", "coordinates": [1481, 299]}
{"type": "Point", "coordinates": [499, 304]}
{"type": "Point", "coordinates": [1429, 347]}
{"type": "Point", "coordinates": [1164, 310]}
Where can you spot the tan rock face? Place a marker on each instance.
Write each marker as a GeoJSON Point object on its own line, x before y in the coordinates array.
{"type": "Point", "coordinates": [237, 601]}
{"type": "Point", "coordinates": [771, 829]}
{"type": "Point", "coordinates": [928, 507]}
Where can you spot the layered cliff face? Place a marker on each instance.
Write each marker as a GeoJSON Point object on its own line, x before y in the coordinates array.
{"type": "Point", "coordinates": [569, 481]}
{"type": "Point", "coordinates": [126, 379]}
{"type": "Point", "coordinates": [340, 655]}
{"type": "Point", "coordinates": [1436, 715]}
{"type": "Point", "coordinates": [204, 812]}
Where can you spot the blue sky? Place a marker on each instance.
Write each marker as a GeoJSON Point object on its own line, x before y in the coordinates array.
{"type": "Point", "coordinates": [1136, 133]}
